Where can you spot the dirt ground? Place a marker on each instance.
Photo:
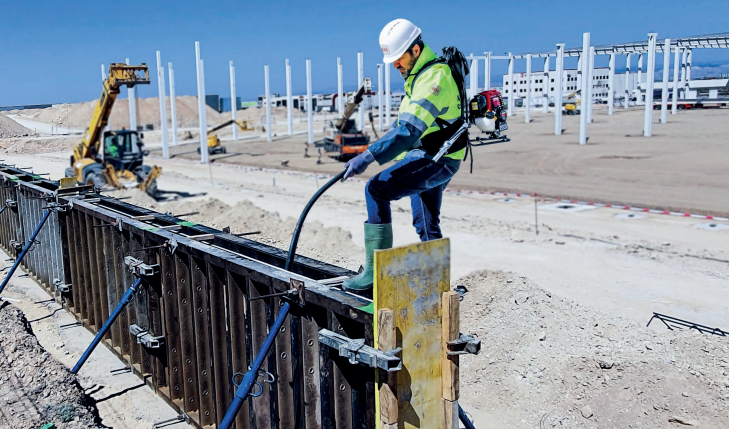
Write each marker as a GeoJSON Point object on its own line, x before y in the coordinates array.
{"type": "Point", "coordinates": [35, 388]}
{"type": "Point", "coordinates": [577, 266]}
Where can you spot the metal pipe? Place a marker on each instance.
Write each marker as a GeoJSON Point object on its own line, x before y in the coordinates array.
{"type": "Point", "coordinates": [132, 94]}
{"type": "Point", "coordinates": [201, 112]}
{"type": "Point", "coordinates": [309, 103]}
{"type": "Point", "coordinates": [676, 67]}
{"type": "Point", "coordinates": [510, 103]}
{"type": "Point", "coordinates": [233, 102]}
{"type": "Point", "coordinates": [584, 87]}
{"type": "Point", "coordinates": [173, 104]}
{"type": "Point", "coordinates": [651, 68]}
{"type": "Point", "coordinates": [289, 100]}
{"type": "Point", "coordinates": [162, 106]}
{"type": "Point", "coordinates": [268, 102]}
{"type": "Point", "coordinates": [664, 88]}
{"type": "Point", "coordinates": [360, 78]}
{"type": "Point", "coordinates": [249, 379]}
{"type": "Point", "coordinates": [611, 84]}
{"type": "Point", "coordinates": [527, 113]}
{"type": "Point", "coordinates": [464, 418]}
{"type": "Point", "coordinates": [559, 77]}
{"type": "Point", "coordinates": [380, 107]}
{"type": "Point", "coordinates": [340, 86]}
{"type": "Point", "coordinates": [388, 96]}
{"type": "Point", "coordinates": [126, 299]}
{"type": "Point", "coordinates": [25, 250]}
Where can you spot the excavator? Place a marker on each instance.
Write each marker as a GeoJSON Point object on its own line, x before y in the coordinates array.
{"type": "Point", "coordinates": [114, 158]}
{"type": "Point", "coordinates": [214, 145]}
{"type": "Point", "coordinates": [571, 107]}
{"type": "Point", "coordinates": [341, 137]}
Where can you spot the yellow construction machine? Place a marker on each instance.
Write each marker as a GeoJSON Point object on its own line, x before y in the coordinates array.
{"type": "Point", "coordinates": [115, 158]}
{"type": "Point", "coordinates": [571, 107]}
{"type": "Point", "coordinates": [214, 145]}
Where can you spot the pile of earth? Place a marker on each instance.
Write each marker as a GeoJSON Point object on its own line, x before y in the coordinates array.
{"type": "Point", "coordinates": [11, 129]}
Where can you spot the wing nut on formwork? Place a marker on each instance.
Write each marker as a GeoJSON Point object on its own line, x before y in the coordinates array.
{"type": "Point", "coordinates": [145, 338]}
{"type": "Point", "coordinates": [139, 268]}
{"type": "Point", "coordinates": [465, 344]}
{"type": "Point", "coordinates": [61, 287]}
{"type": "Point", "coordinates": [357, 352]}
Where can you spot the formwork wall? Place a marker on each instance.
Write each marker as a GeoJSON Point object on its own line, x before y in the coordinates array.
{"type": "Point", "coordinates": [200, 303]}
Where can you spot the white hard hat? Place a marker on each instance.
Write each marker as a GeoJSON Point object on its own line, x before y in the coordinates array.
{"type": "Point", "coordinates": [396, 38]}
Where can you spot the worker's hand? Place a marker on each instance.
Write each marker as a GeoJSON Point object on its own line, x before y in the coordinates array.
{"type": "Point", "coordinates": [358, 164]}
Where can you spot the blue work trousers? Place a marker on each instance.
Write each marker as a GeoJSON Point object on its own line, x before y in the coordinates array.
{"type": "Point", "coordinates": [417, 177]}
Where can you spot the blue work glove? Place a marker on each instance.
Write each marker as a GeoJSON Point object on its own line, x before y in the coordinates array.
{"type": "Point", "coordinates": [358, 164]}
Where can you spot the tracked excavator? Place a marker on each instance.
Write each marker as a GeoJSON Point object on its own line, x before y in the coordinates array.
{"type": "Point", "coordinates": [114, 158]}
{"type": "Point", "coordinates": [341, 138]}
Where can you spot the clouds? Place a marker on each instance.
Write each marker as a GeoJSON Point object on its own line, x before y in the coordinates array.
{"type": "Point", "coordinates": [709, 70]}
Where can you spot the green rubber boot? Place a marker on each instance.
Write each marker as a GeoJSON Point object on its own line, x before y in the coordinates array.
{"type": "Point", "coordinates": [377, 237]}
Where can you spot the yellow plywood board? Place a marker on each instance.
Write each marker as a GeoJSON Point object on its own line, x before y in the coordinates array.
{"type": "Point", "coordinates": [410, 281]}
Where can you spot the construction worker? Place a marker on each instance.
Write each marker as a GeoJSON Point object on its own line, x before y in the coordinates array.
{"type": "Point", "coordinates": [415, 175]}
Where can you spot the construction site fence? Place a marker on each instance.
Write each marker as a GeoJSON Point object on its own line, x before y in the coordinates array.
{"type": "Point", "coordinates": [197, 309]}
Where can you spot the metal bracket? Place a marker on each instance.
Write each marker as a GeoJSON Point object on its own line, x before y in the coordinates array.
{"type": "Point", "coordinates": [57, 207]}
{"type": "Point", "coordinates": [357, 352]}
{"type": "Point", "coordinates": [295, 295]}
{"type": "Point", "coordinates": [145, 338]}
{"type": "Point", "coordinates": [61, 287]}
{"type": "Point", "coordinates": [17, 245]}
{"type": "Point", "coordinates": [11, 203]}
{"type": "Point", "coordinates": [170, 244]}
{"type": "Point", "coordinates": [139, 268]}
{"type": "Point", "coordinates": [466, 344]}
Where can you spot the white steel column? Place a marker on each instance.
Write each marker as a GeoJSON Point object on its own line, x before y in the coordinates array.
{"type": "Point", "coordinates": [474, 72]}
{"type": "Point", "coordinates": [309, 103]}
{"type": "Point", "coordinates": [664, 89]}
{"type": "Point", "coordinates": [545, 85]}
{"type": "Point", "coordinates": [289, 100]}
{"type": "Point", "coordinates": [647, 120]}
{"type": "Point", "coordinates": [689, 59]}
{"type": "Point", "coordinates": [388, 96]}
{"type": "Point", "coordinates": [340, 87]}
{"type": "Point", "coordinates": [162, 106]}
{"type": "Point", "coordinates": [527, 114]}
{"type": "Point", "coordinates": [585, 71]}
{"type": "Point", "coordinates": [590, 83]}
{"type": "Point", "coordinates": [487, 71]}
{"type": "Point", "coordinates": [380, 109]}
{"type": "Point", "coordinates": [173, 104]}
{"type": "Point", "coordinates": [267, 88]}
{"type": "Point", "coordinates": [627, 81]}
{"type": "Point", "coordinates": [202, 114]}
{"type": "Point", "coordinates": [611, 84]}
{"type": "Point", "coordinates": [639, 81]}
{"type": "Point", "coordinates": [471, 85]}
{"type": "Point", "coordinates": [510, 85]}
{"type": "Point", "coordinates": [132, 94]}
{"type": "Point", "coordinates": [103, 73]}
{"type": "Point", "coordinates": [360, 78]}
{"type": "Point", "coordinates": [684, 56]}
{"type": "Point", "coordinates": [559, 69]}
{"type": "Point", "coordinates": [676, 67]}
{"type": "Point", "coordinates": [233, 103]}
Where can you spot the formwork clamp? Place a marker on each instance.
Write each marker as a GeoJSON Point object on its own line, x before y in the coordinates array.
{"type": "Point", "coordinates": [11, 203]}
{"type": "Point", "coordinates": [357, 352]}
{"type": "Point", "coordinates": [145, 338]}
{"type": "Point", "coordinates": [57, 207]}
{"type": "Point", "coordinates": [61, 287]}
{"type": "Point", "coordinates": [139, 268]}
{"type": "Point", "coordinates": [465, 344]}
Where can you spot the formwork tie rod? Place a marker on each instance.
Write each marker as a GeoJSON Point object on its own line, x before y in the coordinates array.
{"type": "Point", "coordinates": [25, 250]}
{"type": "Point", "coordinates": [126, 299]}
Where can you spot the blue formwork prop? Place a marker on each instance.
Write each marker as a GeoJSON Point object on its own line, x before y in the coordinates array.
{"type": "Point", "coordinates": [464, 418]}
{"type": "Point", "coordinates": [126, 299]}
{"type": "Point", "coordinates": [25, 250]}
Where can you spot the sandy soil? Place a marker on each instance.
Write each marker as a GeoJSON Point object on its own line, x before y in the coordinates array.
{"type": "Point", "coordinates": [10, 128]}
{"type": "Point", "coordinates": [35, 388]}
{"type": "Point", "coordinates": [599, 266]}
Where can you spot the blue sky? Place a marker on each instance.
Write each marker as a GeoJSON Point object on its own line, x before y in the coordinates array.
{"type": "Point", "coordinates": [51, 51]}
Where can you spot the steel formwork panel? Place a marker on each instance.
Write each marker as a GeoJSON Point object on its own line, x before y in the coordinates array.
{"type": "Point", "coordinates": [200, 303]}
